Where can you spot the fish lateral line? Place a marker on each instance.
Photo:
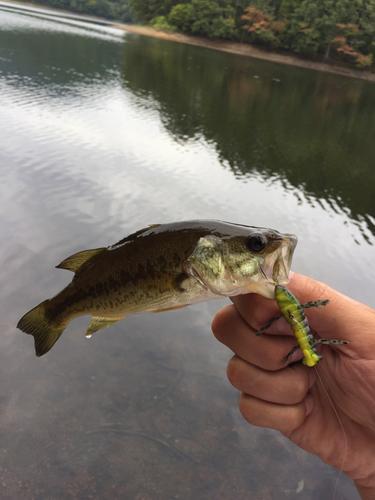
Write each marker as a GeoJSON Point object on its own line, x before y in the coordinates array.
{"type": "Point", "coordinates": [293, 312]}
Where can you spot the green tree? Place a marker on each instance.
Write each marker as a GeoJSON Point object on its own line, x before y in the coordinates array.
{"type": "Point", "coordinates": [161, 23]}
{"type": "Point", "coordinates": [101, 8]}
{"type": "Point", "coordinates": [367, 26]}
{"type": "Point", "coordinates": [145, 10]}
{"type": "Point", "coordinates": [182, 16]}
{"type": "Point", "coordinates": [314, 24]}
{"type": "Point", "coordinates": [123, 11]}
{"type": "Point", "coordinates": [204, 17]}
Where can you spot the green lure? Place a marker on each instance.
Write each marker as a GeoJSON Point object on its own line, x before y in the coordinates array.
{"type": "Point", "coordinates": [293, 312]}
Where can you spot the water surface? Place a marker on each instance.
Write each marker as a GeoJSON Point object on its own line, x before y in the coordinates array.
{"type": "Point", "coordinates": [102, 133]}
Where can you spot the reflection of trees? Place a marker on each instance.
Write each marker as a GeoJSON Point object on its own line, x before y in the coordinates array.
{"type": "Point", "coordinates": [314, 130]}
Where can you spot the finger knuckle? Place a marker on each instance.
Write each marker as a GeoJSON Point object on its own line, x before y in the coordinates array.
{"type": "Point", "coordinates": [300, 384]}
{"type": "Point", "coordinates": [249, 411]}
{"type": "Point", "coordinates": [293, 418]}
{"type": "Point", "coordinates": [235, 373]}
{"type": "Point", "coordinates": [221, 323]}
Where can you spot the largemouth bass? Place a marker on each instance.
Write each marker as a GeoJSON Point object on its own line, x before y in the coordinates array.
{"type": "Point", "coordinates": [160, 268]}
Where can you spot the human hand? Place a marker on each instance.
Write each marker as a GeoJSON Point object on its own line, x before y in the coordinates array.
{"type": "Point", "coordinates": [288, 397]}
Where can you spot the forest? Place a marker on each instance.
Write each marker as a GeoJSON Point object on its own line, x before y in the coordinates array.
{"type": "Point", "coordinates": [335, 30]}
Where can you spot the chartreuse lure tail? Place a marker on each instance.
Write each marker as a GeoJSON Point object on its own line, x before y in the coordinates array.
{"type": "Point", "coordinates": [293, 312]}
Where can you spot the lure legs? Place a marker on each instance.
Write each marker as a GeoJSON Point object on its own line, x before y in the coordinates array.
{"type": "Point", "coordinates": [313, 342]}
{"type": "Point", "coordinates": [313, 303]}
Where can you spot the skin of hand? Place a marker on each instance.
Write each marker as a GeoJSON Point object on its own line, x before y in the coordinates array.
{"type": "Point", "coordinates": [289, 397]}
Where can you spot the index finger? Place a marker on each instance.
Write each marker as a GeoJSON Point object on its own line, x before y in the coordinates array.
{"type": "Point", "coordinates": [258, 311]}
{"type": "Point", "coordinates": [267, 351]}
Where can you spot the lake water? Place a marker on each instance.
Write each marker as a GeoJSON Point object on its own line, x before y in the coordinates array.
{"type": "Point", "coordinates": [104, 132]}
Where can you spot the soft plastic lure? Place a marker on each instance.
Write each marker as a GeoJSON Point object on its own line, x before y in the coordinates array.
{"type": "Point", "coordinates": [294, 314]}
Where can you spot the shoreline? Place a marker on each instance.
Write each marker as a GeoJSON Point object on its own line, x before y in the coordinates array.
{"type": "Point", "coordinates": [238, 48]}
{"type": "Point", "coordinates": [247, 50]}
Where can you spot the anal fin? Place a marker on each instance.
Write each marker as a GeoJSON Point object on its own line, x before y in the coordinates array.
{"type": "Point", "coordinates": [98, 323]}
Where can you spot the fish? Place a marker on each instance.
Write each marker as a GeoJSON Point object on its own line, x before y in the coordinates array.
{"type": "Point", "coordinates": [159, 268]}
{"type": "Point", "coordinates": [293, 312]}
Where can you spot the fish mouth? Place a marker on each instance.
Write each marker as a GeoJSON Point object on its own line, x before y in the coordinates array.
{"type": "Point", "coordinates": [277, 264]}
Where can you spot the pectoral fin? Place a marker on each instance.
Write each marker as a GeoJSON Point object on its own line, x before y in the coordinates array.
{"type": "Point", "coordinates": [99, 323]}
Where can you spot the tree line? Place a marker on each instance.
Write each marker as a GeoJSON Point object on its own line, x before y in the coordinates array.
{"type": "Point", "coordinates": [336, 29]}
{"type": "Point", "coordinates": [330, 29]}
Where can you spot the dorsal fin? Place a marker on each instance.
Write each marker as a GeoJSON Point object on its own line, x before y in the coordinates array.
{"type": "Point", "coordinates": [74, 262]}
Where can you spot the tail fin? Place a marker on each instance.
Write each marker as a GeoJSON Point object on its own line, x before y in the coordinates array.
{"type": "Point", "coordinates": [44, 331]}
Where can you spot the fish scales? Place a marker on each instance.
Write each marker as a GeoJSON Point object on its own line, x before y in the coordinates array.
{"type": "Point", "coordinates": [159, 268]}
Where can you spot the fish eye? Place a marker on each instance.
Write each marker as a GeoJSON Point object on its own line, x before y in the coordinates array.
{"type": "Point", "coordinates": [256, 243]}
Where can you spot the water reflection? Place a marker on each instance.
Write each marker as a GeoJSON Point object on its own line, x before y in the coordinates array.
{"type": "Point", "coordinates": [102, 135]}
{"type": "Point", "coordinates": [316, 131]}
